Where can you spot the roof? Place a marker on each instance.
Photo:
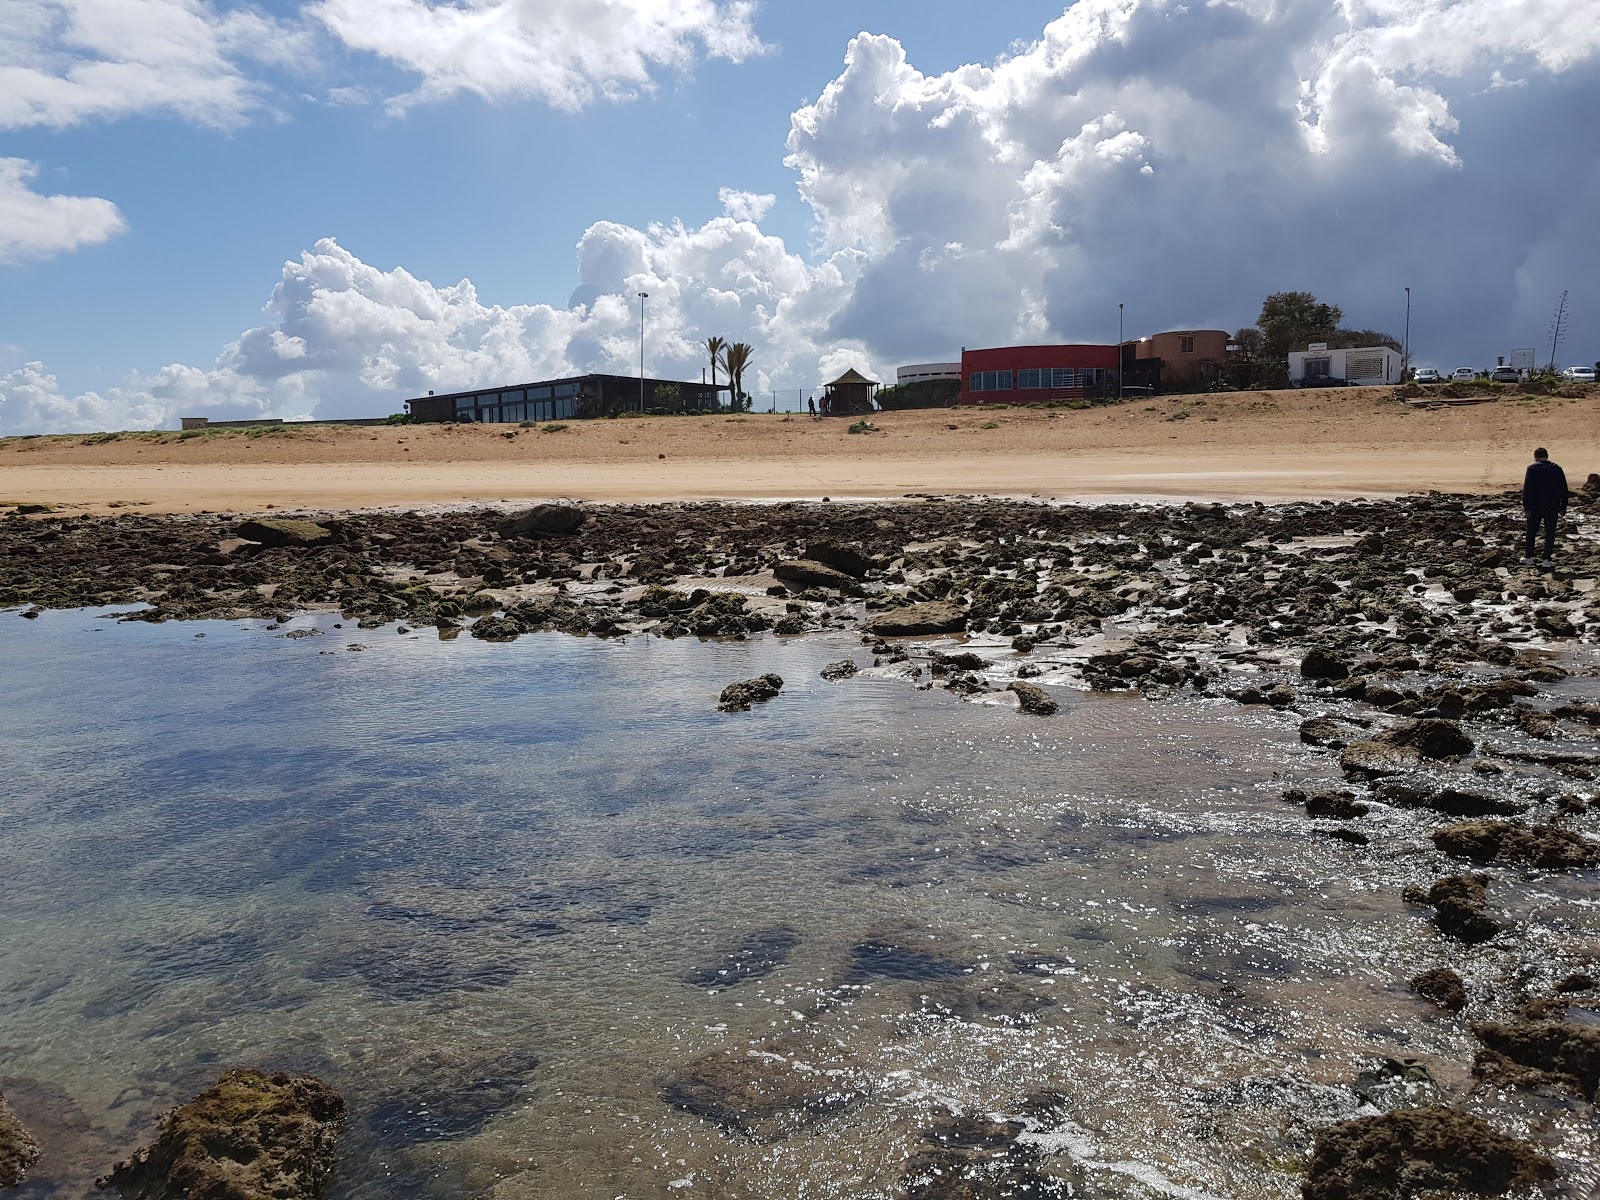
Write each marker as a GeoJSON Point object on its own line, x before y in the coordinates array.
{"type": "Point", "coordinates": [853, 376]}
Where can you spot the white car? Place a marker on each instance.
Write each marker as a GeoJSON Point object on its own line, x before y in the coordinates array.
{"type": "Point", "coordinates": [1466, 373]}
{"type": "Point", "coordinates": [1581, 374]}
{"type": "Point", "coordinates": [1425, 375]}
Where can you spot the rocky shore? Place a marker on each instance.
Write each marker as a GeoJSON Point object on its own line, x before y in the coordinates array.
{"type": "Point", "coordinates": [1449, 686]}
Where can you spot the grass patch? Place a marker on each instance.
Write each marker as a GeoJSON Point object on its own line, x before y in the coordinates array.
{"type": "Point", "coordinates": [554, 427]}
{"type": "Point", "coordinates": [862, 427]}
{"type": "Point", "coordinates": [990, 425]}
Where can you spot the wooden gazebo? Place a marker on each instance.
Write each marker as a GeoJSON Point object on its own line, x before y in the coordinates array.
{"type": "Point", "coordinates": [852, 392]}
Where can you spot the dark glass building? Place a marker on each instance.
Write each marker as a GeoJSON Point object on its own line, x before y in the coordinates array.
{"type": "Point", "coordinates": [573, 398]}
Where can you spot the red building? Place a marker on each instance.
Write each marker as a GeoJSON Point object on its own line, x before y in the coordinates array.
{"type": "Point", "coordinates": [1037, 374]}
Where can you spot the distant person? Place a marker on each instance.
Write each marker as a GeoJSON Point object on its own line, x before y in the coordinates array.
{"type": "Point", "coordinates": [811, 403]}
{"type": "Point", "coordinates": [1544, 499]}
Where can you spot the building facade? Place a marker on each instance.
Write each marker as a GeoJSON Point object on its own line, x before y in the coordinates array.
{"type": "Point", "coordinates": [1317, 366]}
{"type": "Point", "coordinates": [922, 372]}
{"type": "Point", "coordinates": [1189, 358]}
{"type": "Point", "coordinates": [572, 398]}
{"type": "Point", "coordinates": [1037, 374]}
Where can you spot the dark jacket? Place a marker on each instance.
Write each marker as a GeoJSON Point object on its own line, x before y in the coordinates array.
{"type": "Point", "coordinates": [1544, 488]}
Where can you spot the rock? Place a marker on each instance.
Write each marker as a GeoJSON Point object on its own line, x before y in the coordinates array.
{"type": "Point", "coordinates": [18, 1150]}
{"type": "Point", "coordinates": [738, 697]}
{"type": "Point", "coordinates": [1400, 1154]}
{"type": "Point", "coordinates": [909, 620]}
{"type": "Point", "coordinates": [1373, 760]}
{"type": "Point", "coordinates": [1453, 801]}
{"type": "Point", "coordinates": [1431, 737]}
{"type": "Point", "coordinates": [1319, 664]}
{"type": "Point", "coordinates": [1443, 987]}
{"type": "Point", "coordinates": [544, 521]}
{"type": "Point", "coordinates": [1340, 806]}
{"type": "Point", "coordinates": [1325, 731]}
{"type": "Point", "coordinates": [284, 531]}
{"type": "Point", "coordinates": [495, 629]}
{"type": "Point", "coordinates": [250, 1136]}
{"type": "Point", "coordinates": [843, 669]}
{"type": "Point", "coordinates": [1460, 904]}
{"type": "Point", "coordinates": [1031, 698]}
{"type": "Point", "coordinates": [840, 558]}
{"type": "Point", "coordinates": [800, 573]}
{"type": "Point", "coordinates": [1502, 841]}
{"type": "Point", "coordinates": [764, 1094]}
{"type": "Point", "coordinates": [1568, 1053]}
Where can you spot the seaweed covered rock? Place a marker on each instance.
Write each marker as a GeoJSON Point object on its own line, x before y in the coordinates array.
{"type": "Point", "coordinates": [1502, 841]}
{"type": "Point", "coordinates": [284, 531]}
{"type": "Point", "coordinates": [843, 669]}
{"type": "Point", "coordinates": [738, 697]}
{"type": "Point", "coordinates": [1430, 737]}
{"type": "Point", "coordinates": [250, 1136]}
{"type": "Point", "coordinates": [1460, 904]}
{"type": "Point", "coordinates": [18, 1150]}
{"type": "Point", "coordinates": [1558, 1052]}
{"type": "Point", "coordinates": [1410, 1151]}
{"type": "Point", "coordinates": [1443, 987]}
{"type": "Point", "coordinates": [544, 521]}
{"type": "Point", "coordinates": [1031, 698]}
{"type": "Point", "coordinates": [765, 1094]}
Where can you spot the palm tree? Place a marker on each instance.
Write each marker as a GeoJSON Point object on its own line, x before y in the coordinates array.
{"type": "Point", "coordinates": [714, 345]}
{"type": "Point", "coordinates": [735, 358]}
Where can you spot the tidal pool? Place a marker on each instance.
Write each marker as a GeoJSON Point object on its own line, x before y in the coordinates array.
{"type": "Point", "coordinates": [558, 928]}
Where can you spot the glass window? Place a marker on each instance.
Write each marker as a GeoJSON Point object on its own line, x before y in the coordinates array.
{"type": "Point", "coordinates": [975, 381]}
{"type": "Point", "coordinates": [1003, 380]}
{"type": "Point", "coordinates": [513, 396]}
{"type": "Point", "coordinates": [1186, 345]}
{"type": "Point", "coordinates": [565, 408]}
{"type": "Point", "coordinates": [1029, 378]}
{"type": "Point", "coordinates": [465, 402]}
{"type": "Point", "coordinates": [539, 393]}
{"type": "Point", "coordinates": [566, 389]}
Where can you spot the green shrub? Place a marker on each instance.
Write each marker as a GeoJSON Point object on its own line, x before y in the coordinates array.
{"type": "Point", "coordinates": [862, 427]}
{"type": "Point", "coordinates": [554, 427]}
{"type": "Point", "coordinates": [399, 419]}
{"type": "Point", "coordinates": [990, 425]}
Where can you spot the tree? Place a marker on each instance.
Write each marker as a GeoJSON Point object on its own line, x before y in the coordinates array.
{"type": "Point", "coordinates": [735, 358]}
{"type": "Point", "coordinates": [1251, 342]}
{"type": "Point", "coordinates": [714, 346]}
{"type": "Point", "coordinates": [1291, 319]}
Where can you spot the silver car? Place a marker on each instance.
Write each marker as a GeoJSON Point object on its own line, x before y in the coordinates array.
{"type": "Point", "coordinates": [1425, 375]}
{"type": "Point", "coordinates": [1463, 374]}
{"type": "Point", "coordinates": [1581, 374]}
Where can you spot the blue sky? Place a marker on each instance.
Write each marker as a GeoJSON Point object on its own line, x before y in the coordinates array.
{"type": "Point", "coordinates": [838, 184]}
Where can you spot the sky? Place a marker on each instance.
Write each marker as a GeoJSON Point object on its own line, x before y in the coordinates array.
{"type": "Point", "coordinates": [323, 208]}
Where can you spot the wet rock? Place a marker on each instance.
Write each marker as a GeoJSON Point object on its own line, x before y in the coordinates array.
{"type": "Point", "coordinates": [495, 629]}
{"type": "Point", "coordinates": [1327, 731]}
{"type": "Point", "coordinates": [910, 620]}
{"type": "Point", "coordinates": [544, 521]}
{"type": "Point", "coordinates": [1460, 904]}
{"type": "Point", "coordinates": [1320, 664]}
{"type": "Point", "coordinates": [1373, 760]}
{"type": "Point", "coordinates": [251, 1136]}
{"type": "Point", "coordinates": [1502, 841]}
{"type": "Point", "coordinates": [1353, 836]}
{"type": "Point", "coordinates": [1421, 792]}
{"type": "Point", "coordinates": [964, 660]}
{"type": "Point", "coordinates": [1031, 698]}
{"type": "Point", "coordinates": [738, 697]}
{"type": "Point", "coordinates": [1003, 1002]}
{"type": "Point", "coordinates": [18, 1149]}
{"type": "Point", "coordinates": [1401, 1154]}
{"type": "Point", "coordinates": [843, 669]}
{"type": "Point", "coordinates": [975, 1157]}
{"type": "Point", "coordinates": [765, 1093]}
{"type": "Point", "coordinates": [1397, 1083]}
{"type": "Point", "coordinates": [1279, 695]}
{"type": "Point", "coordinates": [800, 573]}
{"type": "Point", "coordinates": [1443, 987]}
{"type": "Point", "coordinates": [840, 557]}
{"type": "Point", "coordinates": [1563, 1054]}
{"type": "Point", "coordinates": [284, 531]}
{"type": "Point", "coordinates": [1339, 806]}
{"type": "Point", "coordinates": [1430, 737]}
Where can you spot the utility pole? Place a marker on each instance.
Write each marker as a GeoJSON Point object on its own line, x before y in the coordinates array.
{"type": "Point", "coordinates": [1121, 351]}
{"type": "Point", "coordinates": [1405, 354]}
{"type": "Point", "coordinates": [643, 296]}
{"type": "Point", "coordinates": [1558, 329]}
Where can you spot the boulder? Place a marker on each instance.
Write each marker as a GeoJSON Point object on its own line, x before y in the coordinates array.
{"type": "Point", "coordinates": [1443, 987]}
{"type": "Point", "coordinates": [840, 558]}
{"type": "Point", "coordinates": [1410, 1151]}
{"type": "Point", "coordinates": [1566, 1052]}
{"type": "Point", "coordinates": [1502, 841]}
{"type": "Point", "coordinates": [1430, 737]}
{"type": "Point", "coordinates": [250, 1136]}
{"type": "Point", "coordinates": [1031, 698]}
{"type": "Point", "coordinates": [909, 620]}
{"type": "Point", "coordinates": [1373, 760]}
{"type": "Point", "coordinates": [738, 697]}
{"type": "Point", "coordinates": [18, 1150]}
{"type": "Point", "coordinates": [1326, 731]}
{"type": "Point", "coordinates": [1460, 904]}
{"type": "Point", "coordinates": [284, 531]}
{"type": "Point", "coordinates": [843, 669]}
{"type": "Point", "coordinates": [801, 573]}
{"type": "Point", "coordinates": [1320, 664]}
{"type": "Point", "coordinates": [544, 521]}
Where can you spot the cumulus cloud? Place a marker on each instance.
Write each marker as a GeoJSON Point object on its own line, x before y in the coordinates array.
{"type": "Point", "coordinates": [566, 53]}
{"type": "Point", "coordinates": [36, 226]}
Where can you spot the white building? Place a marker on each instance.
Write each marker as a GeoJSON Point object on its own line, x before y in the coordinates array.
{"type": "Point", "coordinates": [1316, 365]}
{"type": "Point", "coordinates": [922, 372]}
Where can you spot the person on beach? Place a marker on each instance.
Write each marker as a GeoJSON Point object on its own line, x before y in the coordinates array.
{"type": "Point", "coordinates": [1544, 500]}
{"type": "Point", "coordinates": [811, 402]}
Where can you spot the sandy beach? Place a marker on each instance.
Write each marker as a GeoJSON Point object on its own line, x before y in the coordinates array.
{"type": "Point", "coordinates": [1335, 443]}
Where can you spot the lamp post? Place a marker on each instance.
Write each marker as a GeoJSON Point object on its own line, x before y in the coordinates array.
{"type": "Point", "coordinates": [1121, 352]}
{"type": "Point", "coordinates": [643, 296]}
{"type": "Point", "coordinates": [1405, 353]}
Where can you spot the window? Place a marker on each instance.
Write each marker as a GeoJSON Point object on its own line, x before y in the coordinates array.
{"type": "Point", "coordinates": [566, 389]}
{"type": "Point", "coordinates": [1318, 368]}
{"type": "Point", "coordinates": [539, 393]}
{"type": "Point", "coordinates": [1031, 379]}
{"type": "Point", "coordinates": [566, 408]}
{"type": "Point", "coordinates": [465, 402]}
{"type": "Point", "coordinates": [513, 396]}
{"type": "Point", "coordinates": [1186, 345]}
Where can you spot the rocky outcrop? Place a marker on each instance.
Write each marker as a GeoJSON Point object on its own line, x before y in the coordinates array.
{"type": "Point", "coordinates": [544, 521]}
{"type": "Point", "coordinates": [1403, 1153]}
{"type": "Point", "coordinates": [1431, 737]}
{"type": "Point", "coordinates": [1460, 904]}
{"type": "Point", "coordinates": [1502, 841]}
{"type": "Point", "coordinates": [802, 573]}
{"type": "Point", "coordinates": [1566, 1055]}
{"type": "Point", "coordinates": [1031, 698]}
{"type": "Point", "coordinates": [840, 557]}
{"type": "Point", "coordinates": [1320, 664]}
{"type": "Point", "coordinates": [18, 1150]}
{"type": "Point", "coordinates": [910, 620]}
{"type": "Point", "coordinates": [251, 1136]}
{"type": "Point", "coordinates": [284, 531]}
{"type": "Point", "coordinates": [738, 697]}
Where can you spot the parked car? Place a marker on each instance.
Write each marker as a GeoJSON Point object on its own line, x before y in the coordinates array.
{"type": "Point", "coordinates": [1505, 375]}
{"type": "Point", "coordinates": [1425, 375]}
{"type": "Point", "coordinates": [1464, 374]}
{"type": "Point", "coordinates": [1581, 374]}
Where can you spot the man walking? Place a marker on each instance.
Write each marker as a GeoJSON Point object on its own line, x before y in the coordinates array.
{"type": "Point", "coordinates": [1544, 499]}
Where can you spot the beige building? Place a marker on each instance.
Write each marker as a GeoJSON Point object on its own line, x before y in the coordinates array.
{"type": "Point", "coordinates": [1189, 357]}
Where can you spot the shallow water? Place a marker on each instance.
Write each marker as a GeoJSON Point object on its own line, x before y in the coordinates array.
{"type": "Point", "coordinates": [507, 897]}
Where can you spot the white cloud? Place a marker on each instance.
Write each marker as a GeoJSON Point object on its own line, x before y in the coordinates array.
{"type": "Point", "coordinates": [36, 226]}
{"type": "Point", "coordinates": [566, 53]}
{"type": "Point", "coordinates": [64, 62]}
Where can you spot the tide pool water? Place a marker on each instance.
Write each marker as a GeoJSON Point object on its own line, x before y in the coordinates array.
{"type": "Point", "coordinates": [547, 918]}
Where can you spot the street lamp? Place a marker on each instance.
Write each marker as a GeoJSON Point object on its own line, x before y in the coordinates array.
{"type": "Point", "coordinates": [643, 296]}
{"type": "Point", "coordinates": [1121, 352]}
{"type": "Point", "coordinates": [1405, 353]}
